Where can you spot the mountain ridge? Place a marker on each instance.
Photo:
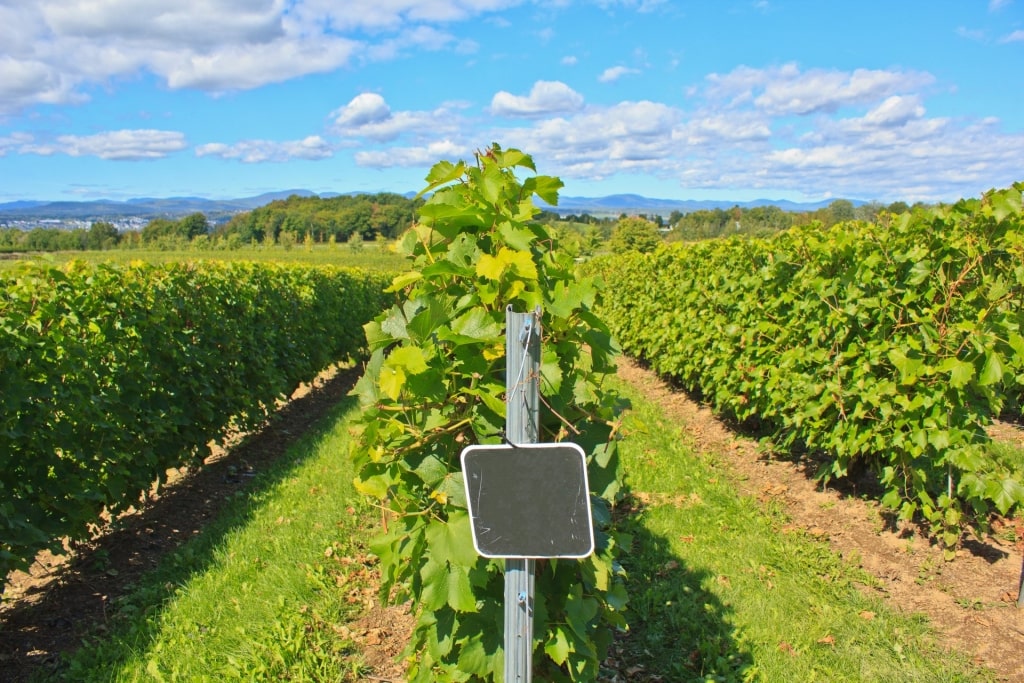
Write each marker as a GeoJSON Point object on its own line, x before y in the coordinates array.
{"type": "Point", "coordinates": [175, 207]}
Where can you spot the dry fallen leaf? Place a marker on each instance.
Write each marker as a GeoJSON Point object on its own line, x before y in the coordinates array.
{"type": "Point", "coordinates": [866, 615]}
{"type": "Point", "coordinates": [828, 640]}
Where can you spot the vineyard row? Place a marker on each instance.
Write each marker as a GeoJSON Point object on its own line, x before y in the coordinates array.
{"type": "Point", "coordinates": [892, 344]}
{"type": "Point", "coordinates": [110, 376]}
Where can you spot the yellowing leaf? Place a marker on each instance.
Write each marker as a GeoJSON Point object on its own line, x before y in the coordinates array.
{"type": "Point", "coordinates": [490, 267]}
{"type": "Point", "coordinates": [408, 358]}
{"type": "Point", "coordinates": [392, 380]}
{"type": "Point", "coordinates": [520, 262]}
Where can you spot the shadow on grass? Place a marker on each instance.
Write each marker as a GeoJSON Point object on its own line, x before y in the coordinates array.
{"type": "Point", "coordinates": [128, 573]}
{"type": "Point", "coordinates": [679, 630]}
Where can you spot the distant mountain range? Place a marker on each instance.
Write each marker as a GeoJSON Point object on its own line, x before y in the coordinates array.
{"type": "Point", "coordinates": [175, 207]}
{"type": "Point", "coordinates": [634, 203]}
{"type": "Point", "coordinates": [143, 207]}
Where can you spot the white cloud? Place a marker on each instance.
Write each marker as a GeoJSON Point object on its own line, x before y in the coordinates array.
{"type": "Point", "coordinates": [54, 50]}
{"type": "Point", "coordinates": [241, 67]}
{"type": "Point", "coordinates": [827, 91]}
{"type": "Point", "coordinates": [14, 141]}
{"type": "Point", "coordinates": [570, 60]}
{"type": "Point", "coordinates": [377, 15]}
{"type": "Point", "coordinates": [996, 5]}
{"type": "Point", "coordinates": [418, 38]}
{"type": "Point", "coordinates": [369, 116]}
{"type": "Point", "coordinates": [614, 73]}
{"type": "Point", "coordinates": [545, 98]}
{"type": "Point", "coordinates": [117, 145]}
{"type": "Point", "coordinates": [313, 148]}
{"type": "Point", "coordinates": [1015, 37]}
{"type": "Point", "coordinates": [195, 23]}
{"type": "Point", "coordinates": [895, 111]}
{"type": "Point", "coordinates": [424, 156]}
{"type": "Point", "coordinates": [364, 109]}
{"type": "Point", "coordinates": [598, 142]}
{"type": "Point", "coordinates": [713, 128]}
{"type": "Point", "coordinates": [860, 133]}
{"type": "Point", "coordinates": [786, 90]}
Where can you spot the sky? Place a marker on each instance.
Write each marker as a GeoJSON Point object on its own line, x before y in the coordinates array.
{"type": "Point", "coordinates": [805, 100]}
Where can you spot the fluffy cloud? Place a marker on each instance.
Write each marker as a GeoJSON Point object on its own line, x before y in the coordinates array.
{"type": "Point", "coordinates": [787, 90]}
{"type": "Point", "coordinates": [374, 15]}
{"type": "Point", "coordinates": [193, 23]}
{"type": "Point", "coordinates": [861, 133]}
{"type": "Point", "coordinates": [117, 145]}
{"type": "Point", "coordinates": [369, 116]}
{"type": "Point", "coordinates": [612, 74]}
{"type": "Point", "coordinates": [364, 109]}
{"type": "Point", "coordinates": [55, 49]}
{"type": "Point", "coordinates": [14, 141]}
{"type": "Point", "coordinates": [895, 111]}
{"type": "Point", "coordinates": [424, 156]}
{"type": "Point", "coordinates": [313, 147]}
{"type": "Point", "coordinates": [545, 98]}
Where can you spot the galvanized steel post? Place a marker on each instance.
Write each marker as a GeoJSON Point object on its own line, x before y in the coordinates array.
{"type": "Point", "coordinates": [522, 396]}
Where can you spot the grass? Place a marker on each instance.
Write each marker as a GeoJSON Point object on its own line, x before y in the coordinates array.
{"type": "Point", "coordinates": [372, 256]}
{"type": "Point", "coordinates": [720, 588]}
{"type": "Point", "coordinates": [260, 593]}
{"type": "Point", "coordinates": [1007, 454]}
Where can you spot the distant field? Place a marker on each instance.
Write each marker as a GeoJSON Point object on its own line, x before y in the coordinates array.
{"type": "Point", "coordinates": [372, 256]}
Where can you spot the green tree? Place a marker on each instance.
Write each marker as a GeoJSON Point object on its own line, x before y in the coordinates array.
{"type": "Point", "coordinates": [159, 228]}
{"type": "Point", "coordinates": [102, 235]}
{"type": "Point", "coordinates": [635, 234]}
{"type": "Point", "coordinates": [193, 225]}
{"type": "Point", "coordinates": [841, 211]}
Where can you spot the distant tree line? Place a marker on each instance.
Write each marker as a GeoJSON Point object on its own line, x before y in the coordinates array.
{"type": "Point", "coordinates": [763, 220]}
{"type": "Point", "coordinates": [101, 235]}
{"type": "Point", "coordinates": [288, 221]}
{"type": "Point", "coordinates": [335, 219]}
{"type": "Point", "coordinates": [355, 218]}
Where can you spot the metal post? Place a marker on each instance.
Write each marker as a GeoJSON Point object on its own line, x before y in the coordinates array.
{"type": "Point", "coordinates": [522, 352]}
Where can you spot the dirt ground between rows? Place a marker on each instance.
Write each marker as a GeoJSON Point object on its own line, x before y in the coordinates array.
{"type": "Point", "coordinates": [971, 601]}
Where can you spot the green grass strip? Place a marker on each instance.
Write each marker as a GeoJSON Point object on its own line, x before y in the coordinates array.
{"type": "Point", "coordinates": [721, 591]}
{"type": "Point", "coordinates": [257, 595]}
{"type": "Point", "coordinates": [374, 256]}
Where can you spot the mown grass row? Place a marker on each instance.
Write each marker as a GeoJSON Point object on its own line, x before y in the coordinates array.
{"type": "Point", "coordinates": [370, 255]}
{"type": "Point", "coordinates": [718, 591]}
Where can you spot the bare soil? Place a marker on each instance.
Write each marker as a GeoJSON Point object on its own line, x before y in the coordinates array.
{"type": "Point", "coordinates": [971, 601]}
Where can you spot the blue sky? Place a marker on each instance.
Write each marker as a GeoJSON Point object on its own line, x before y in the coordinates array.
{"type": "Point", "coordinates": [737, 100]}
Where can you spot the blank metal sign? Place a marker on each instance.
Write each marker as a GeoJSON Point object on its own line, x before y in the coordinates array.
{"type": "Point", "coordinates": [529, 501]}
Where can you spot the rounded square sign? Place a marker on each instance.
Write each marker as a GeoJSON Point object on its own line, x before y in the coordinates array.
{"type": "Point", "coordinates": [529, 501]}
